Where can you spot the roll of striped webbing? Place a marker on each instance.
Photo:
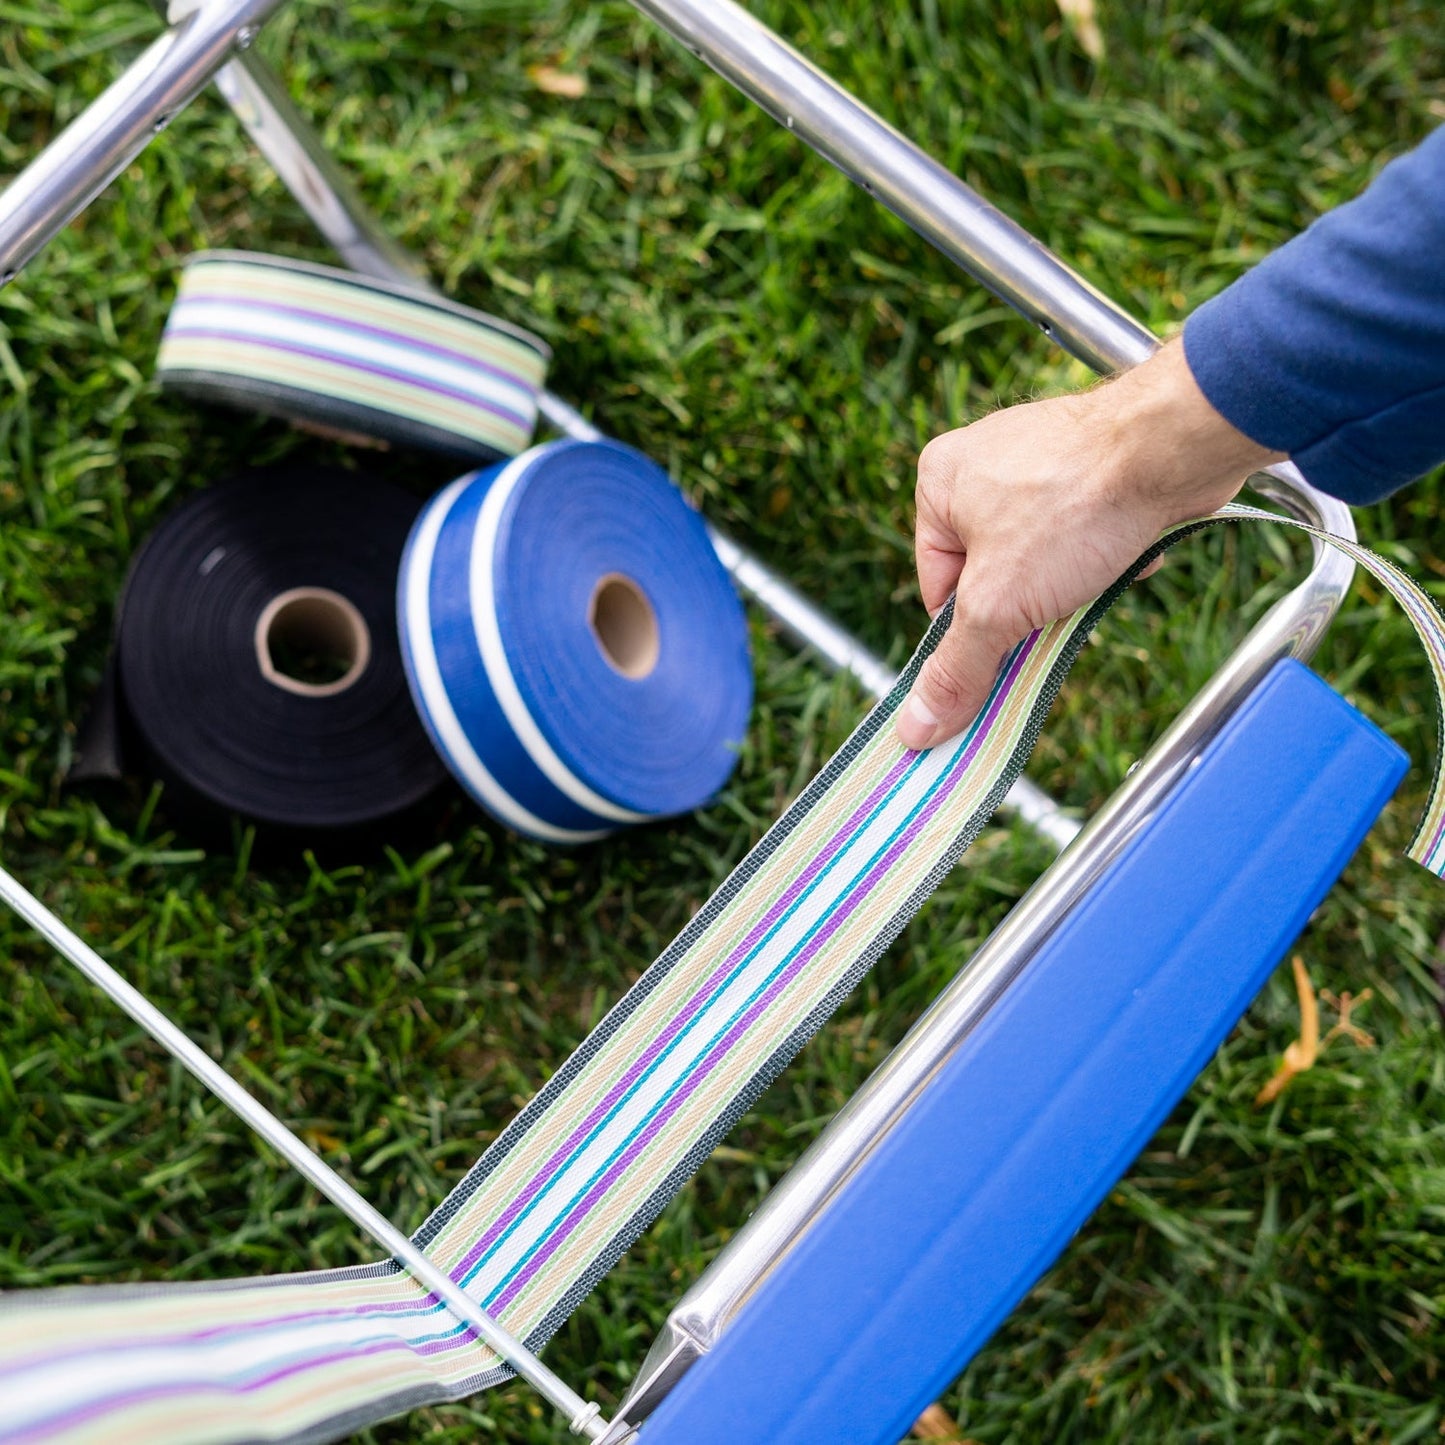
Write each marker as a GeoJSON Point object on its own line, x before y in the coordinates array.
{"type": "Point", "coordinates": [593, 1158]}
{"type": "Point", "coordinates": [573, 644]}
{"type": "Point", "coordinates": [343, 352]}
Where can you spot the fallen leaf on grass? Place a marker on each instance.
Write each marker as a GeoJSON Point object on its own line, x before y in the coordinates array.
{"type": "Point", "coordinates": [1079, 16]}
{"type": "Point", "coordinates": [568, 83]}
{"type": "Point", "coordinates": [1304, 1052]}
{"type": "Point", "coordinates": [935, 1423]}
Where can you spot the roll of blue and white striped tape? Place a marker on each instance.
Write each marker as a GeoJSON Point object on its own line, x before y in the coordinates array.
{"type": "Point", "coordinates": [574, 647]}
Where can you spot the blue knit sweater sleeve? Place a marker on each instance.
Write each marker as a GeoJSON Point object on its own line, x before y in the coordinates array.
{"type": "Point", "coordinates": [1333, 348]}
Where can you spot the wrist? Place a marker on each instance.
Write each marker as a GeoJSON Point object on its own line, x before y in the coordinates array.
{"type": "Point", "coordinates": [1170, 451]}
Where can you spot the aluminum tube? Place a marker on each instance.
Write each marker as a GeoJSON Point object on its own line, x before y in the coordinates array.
{"type": "Point", "coordinates": [584, 1418]}
{"type": "Point", "coordinates": [796, 615]}
{"type": "Point", "coordinates": [290, 144]}
{"type": "Point", "coordinates": [75, 167]}
{"type": "Point", "coordinates": [926, 195]}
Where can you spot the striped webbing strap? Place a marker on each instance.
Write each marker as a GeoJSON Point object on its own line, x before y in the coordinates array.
{"type": "Point", "coordinates": [593, 1158]}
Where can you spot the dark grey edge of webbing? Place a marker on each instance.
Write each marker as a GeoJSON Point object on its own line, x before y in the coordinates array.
{"type": "Point", "coordinates": [768, 1073]}
{"type": "Point", "coordinates": [337, 1426]}
{"type": "Point", "coordinates": [825, 1008]}
{"type": "Point", "coordinates": [498, 1150]}
{"type": "Point", "coordinates": [334, 1427]}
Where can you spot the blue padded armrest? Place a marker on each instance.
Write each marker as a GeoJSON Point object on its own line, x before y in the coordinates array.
{"type": "Point", "coordinates": [1015, 1142]}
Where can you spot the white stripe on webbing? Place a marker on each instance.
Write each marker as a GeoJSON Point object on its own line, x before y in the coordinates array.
{"type": "Point", "coordinates": [397, 355]}
{"type": "Point", "coordinates": [752, 972]}
{"type": "Point", "coordinates": [437, 705]}
{"type": "Point", "coordinates": [233, 1354]}
{"type": "Point", "coordinates": [494, 653]}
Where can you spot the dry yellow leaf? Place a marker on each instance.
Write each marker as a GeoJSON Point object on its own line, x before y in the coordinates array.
{"type": "Point", "coordinates": [568, 83]}
{"type": "Point", "coordinates": [1080, 18]}
{"type": "Point", "coordinates": [935, 1423]}
{"type": "Point", "coordinates": [1305, 1051]}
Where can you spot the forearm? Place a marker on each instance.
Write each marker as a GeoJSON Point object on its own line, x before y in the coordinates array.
{"type": "Point", "coordinates": [1332, 349]}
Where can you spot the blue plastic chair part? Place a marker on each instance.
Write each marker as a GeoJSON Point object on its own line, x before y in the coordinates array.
{"type": "Point", "coordinates": [1007, 1152]}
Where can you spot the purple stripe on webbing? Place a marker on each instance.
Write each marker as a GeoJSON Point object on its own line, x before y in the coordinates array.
{"type": "Point", "coordinates": [364, 327]}
{"type": "Point", "coordinates": [1435, 840]}
{"type": "Point", "coordinates": [199, 333]}
{"type": "Point", "coordinates": [42, 1429]}
{"type": "Point", "coordinates": [430, 1300]}
{"type": "Point", "coordinates": [939, 796]}
{"type": "Point", "coordinates": [834, 921]}
{"type": "Point", "coordinates": [788, 897]}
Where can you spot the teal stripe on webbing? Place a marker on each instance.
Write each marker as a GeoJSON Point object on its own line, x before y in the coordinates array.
{"type": "Point", "coordinates": [844, 907]}
{"type": "Point", "coordinates": [742, 1008]}
{"type": "Point", "coordinates": [687, 1029]}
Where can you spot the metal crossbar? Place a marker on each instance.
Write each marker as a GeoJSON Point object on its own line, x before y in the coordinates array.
{"type": "Point", "coordinates": [210, 40]}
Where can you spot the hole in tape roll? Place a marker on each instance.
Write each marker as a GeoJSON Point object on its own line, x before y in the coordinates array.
{"type": "Point", "coordinates": [312, 641]}
{"type": "Point", "coordinates": [624, 624]}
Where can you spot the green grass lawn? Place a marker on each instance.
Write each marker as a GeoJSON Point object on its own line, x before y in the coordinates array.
{"type": "Point", "coordinates": [721, 298]}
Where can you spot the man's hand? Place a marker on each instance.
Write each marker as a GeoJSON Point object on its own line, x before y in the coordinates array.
{"type": "Point", "coordinates": [1033, 511]}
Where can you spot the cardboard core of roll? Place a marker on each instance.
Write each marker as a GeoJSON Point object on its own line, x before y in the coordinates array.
{"type": "Point", "coordinates": [312, 641]}
{"type": "Point", "coordinates": [625, 625]}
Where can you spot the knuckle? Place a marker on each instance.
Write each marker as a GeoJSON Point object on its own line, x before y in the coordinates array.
{"type": "Point", "coordinates": [983, 613]}
{"type": "Point", "coordinates": [934, 466]}
{"type": "Point", "coordinates": [947, 681]}
{"type": "Point", "coordinates": [996, 608]}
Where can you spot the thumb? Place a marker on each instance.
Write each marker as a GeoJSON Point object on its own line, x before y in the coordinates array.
{"type": "Point", "coordinates": [955, 681]}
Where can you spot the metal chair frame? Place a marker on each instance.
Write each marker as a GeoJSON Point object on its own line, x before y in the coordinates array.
{"type": "Point", "coordinates": [210, 40]}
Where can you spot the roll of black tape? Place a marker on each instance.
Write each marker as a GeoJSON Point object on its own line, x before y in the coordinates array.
{"type": "Point", "coordinates": [258, 661]}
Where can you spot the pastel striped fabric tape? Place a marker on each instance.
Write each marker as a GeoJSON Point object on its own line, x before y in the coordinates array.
{"type": "Point", "coordinates": [346, 353]}
{"type": "Point", "coordinates": [573, 644]}
{"type": "Point", "coordinates": [593, 1158]}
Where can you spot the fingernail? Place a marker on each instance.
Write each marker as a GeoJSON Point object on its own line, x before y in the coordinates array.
{"type": "Point", "coordinates": [916, 723]}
